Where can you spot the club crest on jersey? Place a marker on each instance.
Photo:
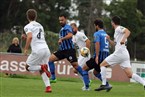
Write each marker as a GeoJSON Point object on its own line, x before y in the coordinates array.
{"type": "Point", "coordinates": [70, 58]}
{"type": "Point", "coordinates": [26, 29]}
{"type": "Point", "coordinates": [84, 37]}
{"type": "Point", "coordinates": [95, 37]}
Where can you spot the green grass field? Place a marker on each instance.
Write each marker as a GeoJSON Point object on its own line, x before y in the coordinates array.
{"type": "Point", "coordinates": [28, 87]}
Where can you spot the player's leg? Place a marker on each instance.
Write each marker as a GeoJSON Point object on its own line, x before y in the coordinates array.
{"type": "Point", "coordinates": [86, 77]}
{"type": "Point", "coordinates": [98, 75]}
{"type": "Point", "coordinates": [52, 70]}
{"type": "Point", "coordinates": [105, 85]}
{"type": "Point", "coordinates": [54, 57]}
{"type": "Point", "coordinates": [127, 69]}
{"type": "Point", "coordinates": [81, 62]}
{"type": "Point", "coordinates": [58, 55]}
{"type": "Point", "coordinates": [31, 63]}
{"type": "Point", "coordinates": [44, 61]}
{"type": "Point", "coordinates": [71, 57]}
{"type": "Point", "coordinates": [34, 63]}
{"type": "Point", "coordinates": [111, 60]}
{"type": "Point", "coordinates": [84, 74]}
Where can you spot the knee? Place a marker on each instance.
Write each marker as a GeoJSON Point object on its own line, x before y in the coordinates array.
{"type": "Point", "coordinates": [129, 75]}
{"type": "Point", "coordinates": [75, 65]}
{"type": "Point", "coordinates": [75, 71]}
{"type": "Point", "coordinates": [26, 67]}
{"type": "Point", "coordinates": [95, 72]}
{"type": "Point", "coordinates": [85, 67]}
{"type": "Point", "coordinates": [53, 58]}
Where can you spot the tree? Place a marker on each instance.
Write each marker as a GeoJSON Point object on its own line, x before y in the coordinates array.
{"type": "Point", "coordinates": [89, 10]}
{"type": "Point", "coordinates": [13, 12]}
{"type": "Point", "coordinates": [133, 20]}
{"type": "Point", "coordinates": [140, 6]}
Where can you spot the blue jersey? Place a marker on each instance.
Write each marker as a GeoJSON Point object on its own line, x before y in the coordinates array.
{"type": "Point", "coordinates": [100, 36]}
{"type": "Point", "coordinates": [68, 43]}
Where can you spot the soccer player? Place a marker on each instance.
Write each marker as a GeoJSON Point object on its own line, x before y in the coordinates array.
{"type": "Point", "coordinates": [120, 56]}
{"type": "Point", "coordinates": [38, 59]}
{"type": "Point", "coordinates": [66, 46]}
{"type": "Point", "coordinates": [101, 51]}
{"type": "Point", "coordinates": [80, 40]}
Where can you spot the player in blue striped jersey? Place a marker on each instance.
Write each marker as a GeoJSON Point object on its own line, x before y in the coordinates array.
{"type": "Point", "coordinates": [101, 52]}
{"type": "Point", "coordinates": [66, 46]}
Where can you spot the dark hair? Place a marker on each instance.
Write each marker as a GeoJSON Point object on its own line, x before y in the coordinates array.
{"type": "Point", "coordinates": [116, 20]}
{"type": "Point", "coordinates": [31, 14]}
{"type": "Point", "coordinates": [63, 15]}
{"type": "Point", "coordinates": [99, 22]}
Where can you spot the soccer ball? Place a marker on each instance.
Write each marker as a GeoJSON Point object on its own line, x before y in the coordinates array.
{"type": "Point", "coordinates": [85, 51]}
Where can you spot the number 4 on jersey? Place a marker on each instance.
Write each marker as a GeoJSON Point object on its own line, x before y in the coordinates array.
{"type": "Point", "coordinates": [39, 34]}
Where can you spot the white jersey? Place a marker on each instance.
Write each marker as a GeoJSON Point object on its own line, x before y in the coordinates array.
{"type": "Point", "coordinates": [38, 40]}
{"type": "Point", "coordinates": [118, 36]}
{"type": "Point", "coordinates": [79, 40]}
{"type": "Point", "coordinates": [120, 55]}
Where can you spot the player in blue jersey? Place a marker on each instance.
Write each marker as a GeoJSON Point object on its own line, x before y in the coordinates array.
{"type": "Point", "coordinates": [101, 52]}
{"type": "Point", "coordinates": [66, 46]}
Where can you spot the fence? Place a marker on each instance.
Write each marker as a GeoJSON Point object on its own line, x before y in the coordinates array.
{"type": "Point", "coordinates": [15, 64]}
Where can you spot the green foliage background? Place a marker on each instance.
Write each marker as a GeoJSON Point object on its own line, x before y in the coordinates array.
{"type": "Point", "coordinates": [132, 13]}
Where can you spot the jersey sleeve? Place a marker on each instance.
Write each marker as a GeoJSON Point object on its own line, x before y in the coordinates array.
{"type": "Point", "coordinates": [27, 29]}
{"type": "Point", "coordinates": [122, 29]}
{"type": "Point", "coordinates": [96, 37]}
{"type": "Point", "coordinates": [83, 37]}
{"type": "Point", "coordinates": [69, 29]}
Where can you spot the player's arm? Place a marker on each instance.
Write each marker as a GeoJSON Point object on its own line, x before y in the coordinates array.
{"type": "Point", "coordinates": [28, 41]}
{"type": "Point", "coordinates": [126, 35]}
{"type": "Point", "coordinates": [68, 36]}
{"type": "Point", "coordinates": [88, 43]}
{"type": "Point", "coordinates": [110, 41]}
{"type": "Point", "coordinates": [97, 48]}
{"type": "Point", "coordinates": [23, 36]}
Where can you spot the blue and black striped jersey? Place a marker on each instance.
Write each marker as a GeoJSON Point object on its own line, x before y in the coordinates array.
{"type": "Point", "coordinates": [66, 44]}
{"type": "Point", "coordinates": [100, 36]}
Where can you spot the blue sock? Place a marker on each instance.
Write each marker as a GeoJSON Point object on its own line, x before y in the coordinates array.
{"type": "Point", "coordinates": [79, 69]}
{"type": "Point", "coordinates": [52, 70]}
{"type": "Point", "coordinates": [86, 78]}
{"type": "Point", "coordinates": [100, 78]}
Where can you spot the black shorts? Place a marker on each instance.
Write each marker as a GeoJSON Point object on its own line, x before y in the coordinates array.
{"type": "Point", "coordinates": [70, 55]}
{"type": "Point", "coordinates": [92, 64]}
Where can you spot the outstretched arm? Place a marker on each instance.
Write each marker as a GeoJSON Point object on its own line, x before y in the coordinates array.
{"type": "Point", "coordinates": [110, 41]}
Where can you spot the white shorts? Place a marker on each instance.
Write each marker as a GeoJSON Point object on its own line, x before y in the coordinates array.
{"type": "Point", "coordinates": [120, 57]}
{"type": "Point", "coordinates": [38, 58]}
{"type": "Point", "coordinates": [82, 60]}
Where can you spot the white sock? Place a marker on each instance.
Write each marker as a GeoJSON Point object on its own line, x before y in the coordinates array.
{"type": "Point", "coordinates": [103, 74]}
{"type": "Point", "coordinates": [45, 79]}
{"type": "Point", "coordinates": [34, 68]}
{"type": "Point", "coordinates": [138, 79]}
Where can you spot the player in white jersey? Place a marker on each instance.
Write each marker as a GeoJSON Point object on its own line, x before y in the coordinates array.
{"type": "Point", "coordinates": [38, 59]}
{"type": "Point", "coordinates": [80, 40]}
{"type": "Point", "coordinates": [120, 55]}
